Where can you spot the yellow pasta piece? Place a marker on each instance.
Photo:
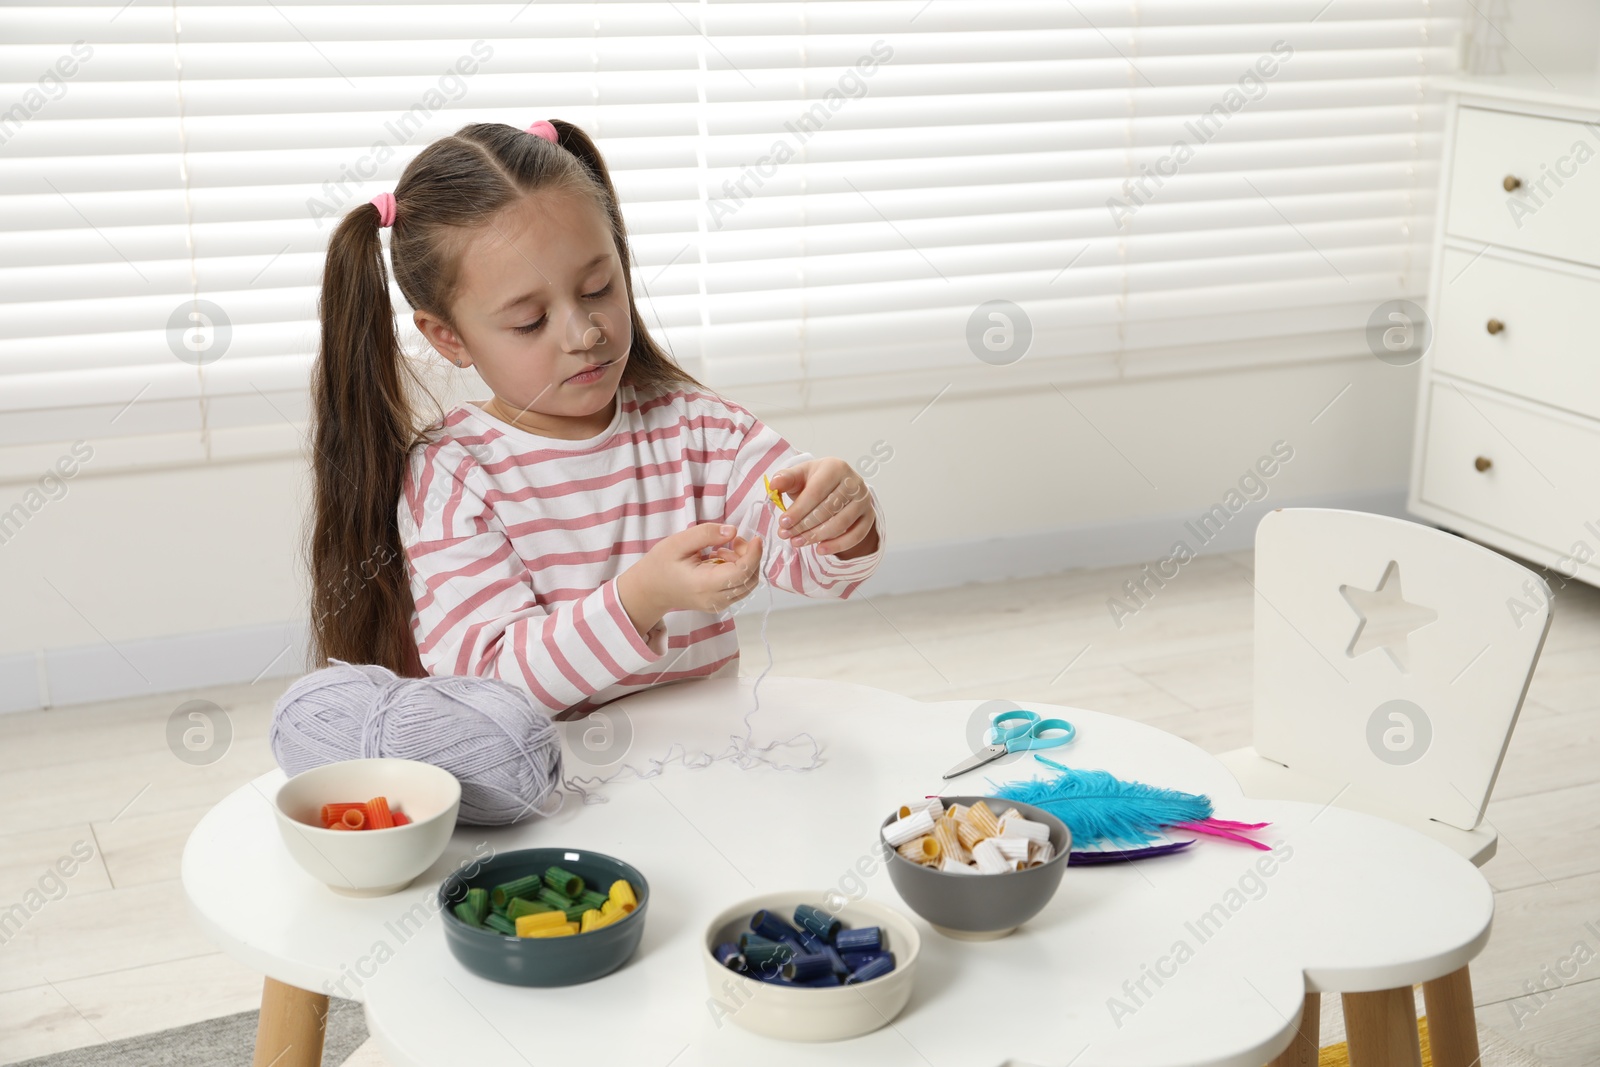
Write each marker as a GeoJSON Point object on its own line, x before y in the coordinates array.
{"type": "Point", "coordinates": [944, 832]}
{"type": "Point", "coordinates": [622, 893]}
{"type": "Point", "coordinates": [981, 817]}
{"type": "Point", "coordinates": [592, 920]}
{"type": "Point", "coordinates": [564, 930]}
{"type": "Point", "coordinates": [539, 921]}
{"type": "Point", "coordinates": [922, 850]}
{"type": "Point", "coordinates": [969, 835]}
{"type": "Point", "coordinates": [611, 907]}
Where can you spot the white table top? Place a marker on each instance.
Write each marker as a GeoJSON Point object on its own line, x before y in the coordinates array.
{"type": "Point", "coordinates": [1116, 972]}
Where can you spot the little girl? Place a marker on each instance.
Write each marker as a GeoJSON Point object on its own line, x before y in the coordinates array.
{"type": "Point", "coordinates": [584, 531]}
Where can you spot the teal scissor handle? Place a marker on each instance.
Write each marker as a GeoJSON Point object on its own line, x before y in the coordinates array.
{"type": "Point", "coordinates": [1024, 730]}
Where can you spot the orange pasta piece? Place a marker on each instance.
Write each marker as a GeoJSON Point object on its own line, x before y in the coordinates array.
{"type": "Point", "coordinates": [331, 813]}
{"type": "Point", "coordinates": [354, 819]}
{"type": "Point", "coordinates": [378, 816]}
{"type": "Point", "coordinates": [401, 818]}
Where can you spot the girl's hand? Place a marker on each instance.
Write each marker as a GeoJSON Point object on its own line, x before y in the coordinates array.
{"type": "Point", "coordinates": [678, 575]}
{"type": "Point", "coordinates": [831, 507]}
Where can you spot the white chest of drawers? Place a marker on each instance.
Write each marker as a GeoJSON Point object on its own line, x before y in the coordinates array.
{"type": "Point", "coordinates": [1507, 446]}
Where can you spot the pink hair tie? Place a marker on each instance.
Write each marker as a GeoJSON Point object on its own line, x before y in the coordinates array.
{"type": "Point", "coordinates": [385, 205]}
{"type": "Point", "coordinates": [541, 128]}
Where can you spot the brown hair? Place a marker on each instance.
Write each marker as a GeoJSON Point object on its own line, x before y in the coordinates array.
{"type": "Point", "coordinates": [364, 389]}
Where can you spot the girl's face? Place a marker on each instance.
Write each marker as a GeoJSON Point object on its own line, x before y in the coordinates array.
{"type": "Point", "coordinates": [542, 312]}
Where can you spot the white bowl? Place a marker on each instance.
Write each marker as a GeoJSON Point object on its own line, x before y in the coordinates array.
{"type": "Point", "coordinates": [831, 1013]}
{"type": "Point", "coordinates": [368, 863]}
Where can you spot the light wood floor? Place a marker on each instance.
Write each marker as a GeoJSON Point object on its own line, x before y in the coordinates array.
{"type": "Point", "coordinates": [118, 955]}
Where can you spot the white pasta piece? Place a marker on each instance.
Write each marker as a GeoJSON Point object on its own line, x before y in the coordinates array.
{"type": "Point", "coordinates": [989, 859]}
{"type": "Point", "coordinates": [934, 806]}
{"type": "Point", "coordinates": [952, 865]}
{"type": "Point", "coordinates": [1012, 848]}
{"type": "Point", "coordinates": [916, 825]}
{"type": "Point", "coordinates": [1016, 826]}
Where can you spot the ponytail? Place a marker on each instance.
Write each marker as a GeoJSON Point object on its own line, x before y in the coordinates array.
{"type": "Point", "coordinates": [362, 430]}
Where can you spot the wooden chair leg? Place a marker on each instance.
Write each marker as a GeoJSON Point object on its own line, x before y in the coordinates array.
{"type": "Point", "coordinates": [292, 1024]}
{"type": "Point", "coordinates": [1302, 1051]}
{"type": "Point", "coordinates": [1382, 1028]}
{"type": "Point", "coordinates": [1452, 1026]}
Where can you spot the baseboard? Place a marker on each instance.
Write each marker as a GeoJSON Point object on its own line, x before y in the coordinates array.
{"type": "Point", "coordinates": [86, 674]}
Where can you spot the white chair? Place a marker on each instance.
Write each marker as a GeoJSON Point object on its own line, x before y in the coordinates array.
{"type": "Point", "coordinates": [1398, 708]}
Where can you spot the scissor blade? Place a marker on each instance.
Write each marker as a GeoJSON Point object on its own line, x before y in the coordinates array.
{"type": "Point", "coordinates": [984, 755]}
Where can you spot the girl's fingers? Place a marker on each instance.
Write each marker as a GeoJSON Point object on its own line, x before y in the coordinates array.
{"type": "Point", "coordinates": [851, 537]}
{"type": "Point", "coordinates": [832, 526]}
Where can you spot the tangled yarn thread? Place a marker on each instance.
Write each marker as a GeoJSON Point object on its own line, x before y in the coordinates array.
{"type": "Point", "coordinates": [504, 751]}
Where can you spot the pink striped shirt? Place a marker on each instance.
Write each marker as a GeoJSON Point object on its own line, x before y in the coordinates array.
{"type": "Point", "coordinates": [514, 541]}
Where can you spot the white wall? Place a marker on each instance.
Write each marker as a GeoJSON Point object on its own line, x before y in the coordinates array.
{"type": "Point", "coordinates": [151, 581]}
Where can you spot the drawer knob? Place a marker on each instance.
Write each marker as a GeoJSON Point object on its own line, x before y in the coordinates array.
{"type": "Point", "coordinates": [1494, 326]}
{"type": "Point", "coordinates": [1512, 183]}
{"type": "Point", "coordinates": [1483, 463]}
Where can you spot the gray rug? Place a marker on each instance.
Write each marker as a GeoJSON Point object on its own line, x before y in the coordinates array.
{"type": "Point", "coordinates": [226, 1042]}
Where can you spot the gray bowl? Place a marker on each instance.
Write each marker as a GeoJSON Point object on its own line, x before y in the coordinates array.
{"type": "Point", "coordinates": [981, 907]}
{"type": "Point", "coordinates": [543, 961]}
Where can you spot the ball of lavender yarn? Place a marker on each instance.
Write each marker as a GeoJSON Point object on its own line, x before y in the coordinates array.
{"type": "Point", "coordinates": [486, 732]}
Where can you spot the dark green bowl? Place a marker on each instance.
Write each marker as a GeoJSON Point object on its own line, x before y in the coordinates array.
{"type": "Point", "coordinates": [543, 961]}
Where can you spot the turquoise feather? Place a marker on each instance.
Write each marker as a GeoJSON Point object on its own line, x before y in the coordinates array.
{"type": "Point", "coordinates": [1099, 807]}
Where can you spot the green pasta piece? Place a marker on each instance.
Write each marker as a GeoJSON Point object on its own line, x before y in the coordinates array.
{"type": "Point", "coordinates": [519, 888]}
{"type": "Point", "coordinates": [593, 899]}
{"type": "Point", "coordinates": [501, 924]}
{"type": "Point", "coordinates": [575, 913]}
{"type": "Point", "coordinates": [564, 882]}
{"type": "Point", "coordinates": [478, 901]}
{"type": "Point", "coordinates": [467, 914]}
{"type": "Point", "coordinates": [554, 899]}
{"type": "Point", "coordinates": [518, 907]}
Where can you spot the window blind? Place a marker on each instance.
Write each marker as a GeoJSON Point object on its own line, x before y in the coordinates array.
{"type": "Point", "coordinates": [825, 200]}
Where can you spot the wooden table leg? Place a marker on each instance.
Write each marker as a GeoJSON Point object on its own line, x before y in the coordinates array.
{"type": "Point", "coordinates": [292, 1024]}
{"type": "Point", "coordinates": [1302, 1051]}
{"type": "Point", "coordinates": [1452, 1026]}
{"type": "Point", "coordinates": [1382, 1028]}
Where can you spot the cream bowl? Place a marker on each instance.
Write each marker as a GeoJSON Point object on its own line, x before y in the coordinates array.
{"type": "Point", "coordinates": [368, 863]}
{"type": "Point", "coordinates": [797, 1013]}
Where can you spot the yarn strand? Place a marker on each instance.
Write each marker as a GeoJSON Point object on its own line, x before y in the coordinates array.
{"type": "Point", "coordinates": [742, 751]}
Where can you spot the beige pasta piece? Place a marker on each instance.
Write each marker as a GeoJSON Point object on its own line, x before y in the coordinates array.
{"type": "Point", "coordinates": [980, 816]}
{"type": "Point", "coordinates": [969, 835]}
{"type": "Point", "coordinates": [1009, 813]}
{"type": "Point", "coordinates": [910, 828]}
{"type": "Point", "coordinates": [958, 812]}
{"type": "Point", "coordinates": [944, 831]}
{"type": "Point", "coordinates": [923, 850]}
{"type": "Point", "coordinates": [1040, 853]}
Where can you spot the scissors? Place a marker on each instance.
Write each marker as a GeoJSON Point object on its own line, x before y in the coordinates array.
{"type": "Point", "coordinates": [1016, 731]}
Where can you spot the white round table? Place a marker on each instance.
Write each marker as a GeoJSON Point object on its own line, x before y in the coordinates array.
{"type": "Point", "coordinates": [1206, 957]}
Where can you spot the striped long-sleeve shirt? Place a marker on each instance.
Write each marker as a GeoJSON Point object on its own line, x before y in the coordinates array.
{"type": "Point", "coordinates": [514, 542]}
